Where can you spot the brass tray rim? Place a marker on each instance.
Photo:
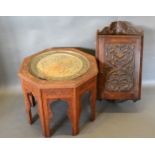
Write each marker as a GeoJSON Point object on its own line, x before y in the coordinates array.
{"type": "Point", "coordinates": [37, 58]}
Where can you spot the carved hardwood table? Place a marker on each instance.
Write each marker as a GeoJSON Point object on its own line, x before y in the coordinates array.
{"type": "Point", "coordinates": [58, 73]}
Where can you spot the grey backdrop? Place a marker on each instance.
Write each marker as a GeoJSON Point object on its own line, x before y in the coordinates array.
{"type": "Point", "coordinates": [22, 36]}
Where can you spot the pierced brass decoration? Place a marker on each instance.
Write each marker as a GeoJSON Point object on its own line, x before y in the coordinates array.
{"type": "Point", "coordinates": [53, 65]}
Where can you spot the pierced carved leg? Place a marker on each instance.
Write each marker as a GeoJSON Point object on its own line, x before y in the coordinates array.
{"type": "Point", "coordinates": [27, 105]}
{"type": "Point", "coordinates": [41, 114]}
{"type": "Point", "coordinates": [73, 113]}
{"type": "Point", "coordinates": [48, 116]}
{"type": "Point", "coordinates": [93, 102]}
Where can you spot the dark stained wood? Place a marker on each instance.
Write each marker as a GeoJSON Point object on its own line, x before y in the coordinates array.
{"type": "Point", "coordinates": [121, 28]}
{"type": "Point", "coordinates": [119, 53]}
{"type": "Point", "coordinates": [70, 91]}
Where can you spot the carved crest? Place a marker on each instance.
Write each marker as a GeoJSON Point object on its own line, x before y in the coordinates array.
{"type": "Point", "coordinates": [120, 28]}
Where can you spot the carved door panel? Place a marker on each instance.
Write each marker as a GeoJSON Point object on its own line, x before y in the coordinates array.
{"type": "Point", "coordinates": [119, 66]}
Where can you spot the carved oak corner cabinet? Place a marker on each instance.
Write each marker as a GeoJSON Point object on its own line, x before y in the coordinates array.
{"type": "Point", "coordinates": [119, 53]}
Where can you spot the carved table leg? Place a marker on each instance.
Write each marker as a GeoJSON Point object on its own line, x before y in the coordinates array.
{"type": "Point", "coordinates": [73, 113]}
{"type": "Point", "coordinates": [48, 115]}
{"type": "Point", "coordinates": [93, 102]}
{"type": "Point", "coordinates": [27, 105]}
{"type": "Point", "coordinates": [41, 114]}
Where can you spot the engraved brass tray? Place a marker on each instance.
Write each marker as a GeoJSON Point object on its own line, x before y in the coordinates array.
{"type": "Point", "coordinates": [62, 65]}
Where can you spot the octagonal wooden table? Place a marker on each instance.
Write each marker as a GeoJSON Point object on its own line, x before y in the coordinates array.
{"type": "Point", "coordinates": [37, 87]}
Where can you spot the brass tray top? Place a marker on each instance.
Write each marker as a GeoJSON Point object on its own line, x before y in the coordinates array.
{"type": "Point", "coordinates": [62, 65]}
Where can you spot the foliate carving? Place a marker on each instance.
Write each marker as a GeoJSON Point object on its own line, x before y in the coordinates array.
{"type": "Point", "coordinates": [120, 27]}
{"type": "Point", "coordinates": [120, 59]}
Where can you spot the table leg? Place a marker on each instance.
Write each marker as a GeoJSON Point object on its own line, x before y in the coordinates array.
{"type": "Point", "coordinates": [93, 102]}
{"type": "Point", "coordinates": [42, 114]}
{"type": "Point", "coordinates": [73, 113]}
{"type": "Point", "coordinates": [48, 114]}
{"type": "Point", "coordinates": [27, 105]}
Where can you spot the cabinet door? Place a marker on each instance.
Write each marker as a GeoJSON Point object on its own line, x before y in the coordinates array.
{"type": "Point", "coordinates": [120, 63]}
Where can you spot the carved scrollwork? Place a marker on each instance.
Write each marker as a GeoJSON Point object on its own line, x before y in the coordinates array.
{"type": "Point", "coordinates": [120, 59]}
{"type": "Point", "coordinates": [121, 27]}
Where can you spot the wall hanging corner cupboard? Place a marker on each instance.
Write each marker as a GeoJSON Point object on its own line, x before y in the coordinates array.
{"type": "Point", "coordinates": [119, 53]}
